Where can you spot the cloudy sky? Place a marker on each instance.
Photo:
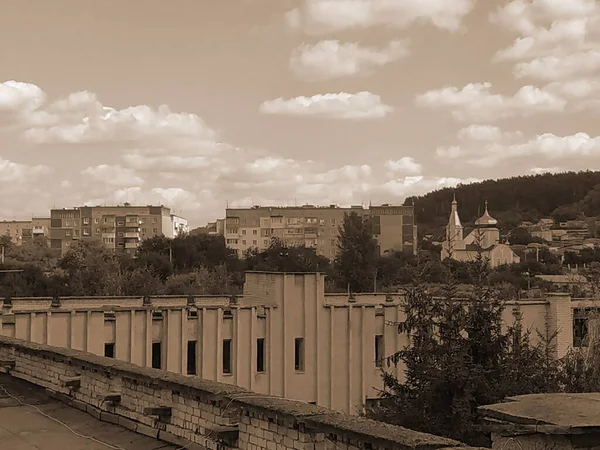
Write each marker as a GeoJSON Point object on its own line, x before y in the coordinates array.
{"type": "Point", "coordinates": [196, 103]}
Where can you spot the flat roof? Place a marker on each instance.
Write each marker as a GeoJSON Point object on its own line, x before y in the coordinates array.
{"type": "Point", "coordinates": [561, 410]}
{"type": "Point", "coordinates": [25, 428]}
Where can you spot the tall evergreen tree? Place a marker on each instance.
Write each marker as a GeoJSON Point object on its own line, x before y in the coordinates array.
{"type": "Point", "coordinates": [357, 255]}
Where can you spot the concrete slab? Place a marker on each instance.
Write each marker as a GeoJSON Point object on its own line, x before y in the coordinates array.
{"type": "Point", "coordinates": [27, 428]}
{"type": "Point", "coordinates": [563, 410]}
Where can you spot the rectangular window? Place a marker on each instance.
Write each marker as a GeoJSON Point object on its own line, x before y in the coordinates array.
{"type": "Point", "coordinates": [260, 355]}
{"type": "Point", "coordinates": [254, 232]}
{"type": "Point", "coordinates": [191, 358]}
{"type": "Point", "coordinates": [299, 354]}
{"type": "Point", "coordinates": [157, 355]}
{"type": "Point", "coordinates": [379, 350]}
{"type": "Point", "coordinates": [226, 356]}
{"type": "Point", "coordinates": [109, 349]}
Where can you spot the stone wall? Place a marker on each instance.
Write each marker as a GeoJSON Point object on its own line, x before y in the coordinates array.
{"type": "Point", "coordinates": [197, 413]}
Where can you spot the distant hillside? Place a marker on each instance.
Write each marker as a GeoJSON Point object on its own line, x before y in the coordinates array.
{"type": "Point", "coordinates": [510, 200]}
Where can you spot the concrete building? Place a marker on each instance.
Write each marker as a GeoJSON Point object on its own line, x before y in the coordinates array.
{"type": "Point", "coordinates": [21, 231]}
{"type": "Point", "coordinates": [484, 239]}
{"type": "Point", "coordinates": [282, 337]}
{"type": "Point", "coordinates": [180, 226]}
{"type": "Point", "coordinates": [317, 227]}
{"type": "Point", "coordinates": [119, 405]}
{"type": "Point", "coordinates": [120, 227]}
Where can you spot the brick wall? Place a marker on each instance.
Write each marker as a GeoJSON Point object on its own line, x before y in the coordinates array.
{"type": "Point", "coordinates": [197, 413]}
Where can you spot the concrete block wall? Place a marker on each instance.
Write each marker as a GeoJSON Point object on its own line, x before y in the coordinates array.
{"type": "Point", "coordinates": [203, 414]}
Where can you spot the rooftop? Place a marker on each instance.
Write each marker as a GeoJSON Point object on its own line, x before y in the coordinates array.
{"type": "Point", "coordinates": [31, 420]}
{"type": "Point", "coordinates": [556, 413]}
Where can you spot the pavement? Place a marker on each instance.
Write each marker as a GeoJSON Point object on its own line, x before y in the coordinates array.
{"type": "Point", "coordinates": [25, 428]}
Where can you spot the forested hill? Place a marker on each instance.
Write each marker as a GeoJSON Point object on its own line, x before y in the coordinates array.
{"type": "Point", "coordinates": [510, 200]}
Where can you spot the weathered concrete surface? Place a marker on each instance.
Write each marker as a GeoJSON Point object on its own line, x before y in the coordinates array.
{"type": "Point", "coordinates": [568, 411]}
{"type": "Point", "coordinates": [24, 428]}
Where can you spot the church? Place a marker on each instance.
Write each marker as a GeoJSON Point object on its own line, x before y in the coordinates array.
{"type": "Point", "coordinates": [484, 239]}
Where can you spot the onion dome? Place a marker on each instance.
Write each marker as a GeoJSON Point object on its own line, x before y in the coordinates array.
{"type": "Point", "coordinates": [486, 219]}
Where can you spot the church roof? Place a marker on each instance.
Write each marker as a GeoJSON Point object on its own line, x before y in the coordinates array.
{"type": "Point", "coordinates": [486, 219]}
{"type": "Point", "coordinates": [454, 219]}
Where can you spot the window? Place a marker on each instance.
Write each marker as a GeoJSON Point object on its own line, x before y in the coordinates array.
{"type": "Point", "coordinates": [254, 232]}
{"type": "Point", "coordinates": [244, 242]}
{"type": "Point", "coordinates": [243, 232]}
{"type": "Point", "coordinates": [157, 355]}
{"type": "Point", "coordinates": [120, 223]}
{"type": "Point", "coordinates": [96, 220]}
{"type": "Point", "coordinates": [154, 220]}
{"type": "Point", "coordinates": [109, 349]}
{"type": "Point", "coordinates": [254, 242]}
{"type": "Point", "coordinates": [191, 358]}
{"type": "Point", "coordinates": [379, 350]}
{"type": "Point", "coordinates": [227, 356]}
{"type": "Point", "coordinates": [76, 233]}
{"type": "Point", "coordinates": [68, 233]}
{"type": "Point", "coordinates": [260, 355]}
{"type": "Point", "coordinates": [120, 234]}
{"type": "Point", "coordinates": [86, 220]}
{"type": "Point", "coordinates": [266, 242]}
{"type": "Point", "coordinates": [155, 230]}
{"type": "Point", "coordinates": [299, 354]}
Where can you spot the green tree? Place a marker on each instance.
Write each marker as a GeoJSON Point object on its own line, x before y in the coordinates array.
{"type": "Point", "coordinates": [279, 257]}
{"type": "Point", "coordinates": [458, 359]}
{"type": "Point", "coordinates": [92, 269]}
{"type": "Point", "coordinates": [201, 281]}
{"type": "Point", "coordinates": [355, 263]}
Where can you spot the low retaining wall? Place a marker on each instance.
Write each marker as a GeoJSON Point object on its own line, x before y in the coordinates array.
{"type": "Point", "coordinates": [197, 413]}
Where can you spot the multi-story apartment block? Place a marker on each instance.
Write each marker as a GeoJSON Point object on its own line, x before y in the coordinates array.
{"type": "Point", "coordinates": [21, 231]}
{"type": "Point", "coordinates": [216, 228]}
{"type": "Point", "coordinates": [118, 227]}
{"type": "Point", "coordinates": [317, 227]}
{"type": "Point", "coordinates": [180, 225]}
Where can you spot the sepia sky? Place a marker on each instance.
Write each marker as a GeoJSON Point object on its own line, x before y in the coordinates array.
{"type": "Point", "coordinates": [195, 103]}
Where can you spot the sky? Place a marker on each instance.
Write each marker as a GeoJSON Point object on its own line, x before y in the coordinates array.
{"type": "Point", "coordinates": [200, 104]}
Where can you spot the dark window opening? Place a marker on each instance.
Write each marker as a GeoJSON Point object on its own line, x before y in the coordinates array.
{"type": "Point", "coordinates": [379, 350]}
{"type": "Point", "coordinates": [260, 355]}
{"type": "Point", "coordinates": [191, 358]}
{"type": "Point", "coordinates": [157, 355]}
{"type": "Point", "coordinates": [299, 354]}
{"type": "Point", "coordinates": [227, 356]}
{"type": "Point", "coordinates": [109, 350]}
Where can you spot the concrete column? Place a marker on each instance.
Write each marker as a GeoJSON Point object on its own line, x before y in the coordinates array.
{"type": "Point", "coordinates": [331, 362]}
{"type": "Point", "coordinates": [559, 315]}
{"type": "Point", "coordinates": [132, 342]}
{"type": "Point", "coordinates": [350, 360]}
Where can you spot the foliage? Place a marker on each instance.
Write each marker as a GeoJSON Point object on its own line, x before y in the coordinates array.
{"type": "Point", "coordinates": [459, 358]}
{"type": "Point", "coordinates": [201, 281]}
{"type": "Point", "coordinates": [280, 258]}
{"type": "Point", "coordinates": [357, 253]}
{"type": "Point", "coordinates": [516, 199]}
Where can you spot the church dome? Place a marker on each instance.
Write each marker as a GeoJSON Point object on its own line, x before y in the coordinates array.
{"type": "Point", "coordinates": [486, 219]}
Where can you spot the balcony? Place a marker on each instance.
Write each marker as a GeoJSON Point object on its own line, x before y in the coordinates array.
{"type": "Point", "coordinates": [131, 245]}
{"type": "Point", "coordinates": [132, 234]}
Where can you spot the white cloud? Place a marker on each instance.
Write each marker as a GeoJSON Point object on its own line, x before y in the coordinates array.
{"type": "Point", "coordinates": [555, 68]}
{"type": "Point", "coordinates": [81, 118]}
{"type": "Point", "coordinates": [477, 103]}
{"type": "Point", "coordinates": [12, 172]}
{"type": "Point", "coordinates": [323, 16]}
{"type": "Point", "coordinates": [17, 96]}
{"type": "Point", "coordinates": [113, 175]}
{"type": "Point", "coordinates": [405, 165]}
{"type": "Point", "coordinates": [540, 170]}
{"type": "Point", "coordinates": [508, 146]}
{"type": "Point", "coordinates": [332, 59]}
{"type": "Point", "coordinates": [363, 105]}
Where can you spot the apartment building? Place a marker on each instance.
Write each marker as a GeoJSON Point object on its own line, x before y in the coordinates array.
{"type": "Point", "coordinates": [180, 225]}
{"type": "Point", "coordinates": [317, 227]}
{"type": "Point", "coordinates": [120, 227]}
{"type": "Point", "coordinates": [21, 231]}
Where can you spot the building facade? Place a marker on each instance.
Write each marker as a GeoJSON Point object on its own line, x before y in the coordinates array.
{"type": "Point", "coordinates": [22, 231]}
{"type": "Point", "coordinates": [484, 240]}
{"type": "Point", "coordinates": [180, 226]}
{"type": "Point", "coordinates": [317, 227]}
{"type": "Point", "coordinates": [284, 336]}
{"type": "Point", "coordinates": [117, 227]}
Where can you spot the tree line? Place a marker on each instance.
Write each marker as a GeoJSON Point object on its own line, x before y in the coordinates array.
{"type": "Point", "coordinates": [563, 196]}
{"type": "Point", "coordinates": [203, 264]}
